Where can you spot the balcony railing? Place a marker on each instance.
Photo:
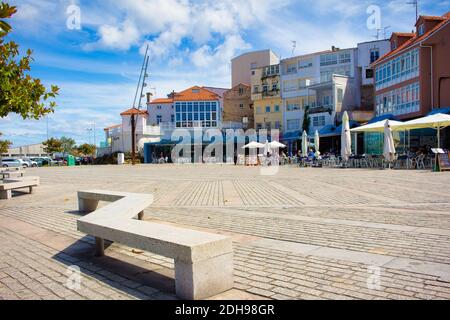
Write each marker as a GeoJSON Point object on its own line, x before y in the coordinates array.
{"type": "Point", "coordinates": [271, 93]}
{"type": "Point", "coordinates": [321, 109]}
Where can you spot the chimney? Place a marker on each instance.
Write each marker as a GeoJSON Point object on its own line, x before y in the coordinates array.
{"type": "Point", "coordinates": [149, 97]}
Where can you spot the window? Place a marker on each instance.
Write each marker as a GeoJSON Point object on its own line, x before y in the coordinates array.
{"type": "Point", "coordinates": [421, 29]}
{"type": "Point", "coordinates": [272, 70]}
{"type": "Point", "coordinates": [326, 100]}
{"type": "Point", "coordinates": [265, 88]}
{"type": "Point", "coordinates": [268, 109]}
{"type": "Point", "coordinates": [291, 68]}
{"type": "Point", "coordinates": [253, 65]}
{"type": "Point", "coordinates": [258, 110]}
{"type": "Point", "coordinates": [258, 126]}
{"type": "Point", "coordinates": [328, 59]}
{"type": "Point", "coordinates": [369, 74]}
{"type": "Point", "coordinates": [172, 118]}
{"type": "Point", "coordinates": [305, 64]}
{"type": "Point", "coordinates": [277, 125]}
{"type": "Point", "coordinates": [402, 68]}
{"type": "Point", "coordinates": [319, 121]}
{"type": "Point", "coordinates": [241, 91]}
{"type": "Point", "coordinates": [277, 108]}
{"type": "Point", "coordinates": [195, 90]}
{"type": "Point", "coordinates": [289, 85]}
{"type": "Point", "coordinates": [292, 107]}
{"type": "Point", "coordinates": [241, 106]}
{"type": "Point", "coordinates": [158, 119]}
{"type": "Point", "coordinates": [345, 57]}
{"type": "Point", "coordinates": [159, 107]}
{"type": "Point", "coordinates": [374, 55]}
{"type": "Point", "coordinates": [400, 101]}
{"type": "Point", "coordinates": [293, 124]}
{"type": "Point", "coordinates": [275, 87]}
{"type": "Point", "coordinates": [394, 45]}
{"type": "Point", "coordinates": [255, 89]}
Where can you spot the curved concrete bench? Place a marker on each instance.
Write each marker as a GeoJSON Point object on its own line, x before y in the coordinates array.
{"type": "Point", "coordinates": [7, 186]}
{"type": "Point", "coordinates": [203, 261]}
{"type": "Point", "coordinates": [11, 174]}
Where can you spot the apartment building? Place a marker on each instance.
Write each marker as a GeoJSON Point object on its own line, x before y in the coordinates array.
{"type": "Point", "coordinates": [413, 79]}
{"type": "Point", "coordinates": [266, 97]}
{"type": "Point", "coordinates": [337, 90]}
{"type": "Point", "coordinates": [243, 66]}
{"type": "Point", "coordinates": [329, 83]}
{"type": "Point", "coordinates": [238, 106]}
{"type": "Point", "coordinates": [297, 74]}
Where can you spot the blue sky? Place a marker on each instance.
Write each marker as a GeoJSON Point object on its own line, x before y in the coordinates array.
{"type": "Point", "coordinates": [191, 43]}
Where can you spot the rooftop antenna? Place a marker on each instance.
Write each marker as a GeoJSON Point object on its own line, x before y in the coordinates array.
{"type": "Point", "coordinates": [416, 4]}
{"type": "Point", "coordinates": [294, 46]}
{"type": "Point", "coordinates": [377, 36]}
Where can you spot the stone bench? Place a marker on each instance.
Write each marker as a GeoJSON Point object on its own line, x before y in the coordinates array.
{"type": "Point", "coordinates": [10, 174]}
{"type": "Point", "coordinates": [203, 261]}
{"type": "Point", "coordinates": [7, 186]}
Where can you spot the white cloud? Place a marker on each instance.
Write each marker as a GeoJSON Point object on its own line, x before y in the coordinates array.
{"type": "Point", "coordinates": [207, 57]}
{"type": "Point", "coordinates": [117, 37]}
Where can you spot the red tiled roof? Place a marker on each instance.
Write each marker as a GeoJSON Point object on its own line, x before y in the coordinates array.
{"type": "Point", "coordinates": [403, 34]}
{"type": "Point", "coordinates": [430, 18]}
{"type": "Point", "coordinates": [196, 94]}
{"type": "Point", "coordinates": [413, 41]}
{"type": "Point", "coordinates": [162, 100]}
{"type": "Point", "coordinates": [113, 127]}
{"type": "Point", "coordinates": [134, 111]}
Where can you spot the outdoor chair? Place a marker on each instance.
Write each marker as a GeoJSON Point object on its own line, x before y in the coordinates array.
{"type": "Point", "coordinates": [402, 162]}
{"type": "Point", "coordinates": [363, 162]}
{"type": "Point", "coordinates": [420, 162]}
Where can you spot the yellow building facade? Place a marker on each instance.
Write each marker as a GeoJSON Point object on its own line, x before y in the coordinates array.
{"type": "Point", "coordinates": [266, 97]}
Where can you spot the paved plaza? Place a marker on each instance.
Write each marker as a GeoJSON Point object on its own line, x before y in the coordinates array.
{"type": "Point", "coordinates": [300, 234]}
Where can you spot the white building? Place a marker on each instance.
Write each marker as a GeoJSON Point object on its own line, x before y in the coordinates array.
{"type": "Point", "coordinates": [161, 111]}
{"type": "Point", "coordinates": [297, 74]}
{"type": "Point", "coordinates": [329, 82]}
{"type": "Point", "coordinates": [118, 137]}
{"type": "Point", "coordinates": [32, 150]}
{"type": "Point", "coordinates": [368, 53]}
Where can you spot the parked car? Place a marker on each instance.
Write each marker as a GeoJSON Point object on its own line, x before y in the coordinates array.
{"type": "Point", "coordinates": [30, 162]}
{"type": "Point", "coordinates": [14, 163]}
{"type": "Point", "coordinates": [44, 161]}
{"type": "Point", "coordinates": [39, 161]}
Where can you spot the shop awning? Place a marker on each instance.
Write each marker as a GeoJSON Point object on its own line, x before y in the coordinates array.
{"type": "Point", "coordinates": [332, 131]}
{"type": "Point", "coordinates": [377, 126]}
{"type": "Point", "coordinates": [440, 110]}
{"type": "Point", "coordinates": [384, 117]}
{"type": "Point", "coordinates": [435, 121]}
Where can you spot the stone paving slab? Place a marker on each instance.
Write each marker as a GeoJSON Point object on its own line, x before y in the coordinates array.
{"type": "Point", "coordinates": [302, 234]}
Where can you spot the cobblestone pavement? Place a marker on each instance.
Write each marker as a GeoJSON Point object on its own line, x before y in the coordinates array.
{"type": "Point", "coordinates": [301, 234]}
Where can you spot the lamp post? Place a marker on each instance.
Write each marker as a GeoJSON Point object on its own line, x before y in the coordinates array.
{"type": "Point", "coordinates": [89, 130]}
